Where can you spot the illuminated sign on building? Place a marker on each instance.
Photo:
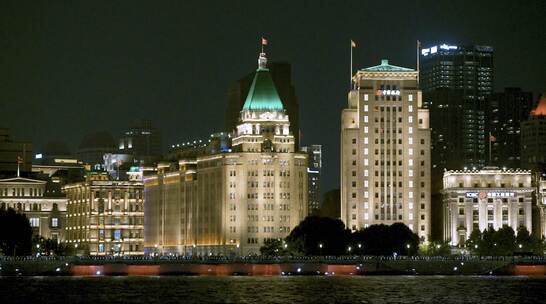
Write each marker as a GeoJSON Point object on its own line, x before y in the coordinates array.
{"type": "Point", "coordinates": [387, 93]}
{"type": "Point", "coordinates": [434, 49]}
{"type": "Point", "coordinates": [483, 195]}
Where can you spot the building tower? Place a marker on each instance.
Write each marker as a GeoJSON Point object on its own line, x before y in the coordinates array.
{"type": "Point", "coordinates": [281, 73]}
{"type": "Point", "coordinates": [314, 160]}
{"type": "Point", "coordinates": [231, 202]}
{"type": "Point", "coordinates": [385, 151]}
{"type": "Point", "coordinates": [533, 138]}
{"type": "Point", "coordinates": [506, 112]}
{"type": "Point", "coordinates": [456, 82]}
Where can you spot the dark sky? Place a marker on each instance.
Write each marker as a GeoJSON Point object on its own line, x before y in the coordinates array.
{"type": "Point", "coordinates": [69, 68]}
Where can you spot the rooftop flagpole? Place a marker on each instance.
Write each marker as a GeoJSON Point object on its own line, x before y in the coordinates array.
{"type": "Point", "coordinates": [418, 50]}
{"type": "Point", "coordinates": [353, 45]}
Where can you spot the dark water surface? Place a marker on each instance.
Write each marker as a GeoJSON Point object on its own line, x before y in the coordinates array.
{"type": "Point", "coordinates": [311, 289]}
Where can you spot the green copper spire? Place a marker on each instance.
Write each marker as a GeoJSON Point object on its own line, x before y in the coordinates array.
{"type": "Point", "coordinates": [386, 67]}
{"type": "Point", "coordinates": [263, 95]}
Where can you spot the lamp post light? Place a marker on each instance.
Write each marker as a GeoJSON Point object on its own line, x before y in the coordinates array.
{"type": "Point", "coordinates": [320, 246]}
{"type": "Point", "coordinates": [349, 249]}
{"type": "Point", "coordinates": [520, 246]}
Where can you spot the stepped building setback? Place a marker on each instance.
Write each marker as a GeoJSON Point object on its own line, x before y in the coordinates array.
{"type": "Point", "coordinates": [229, 202]}
{"type": "Point", "coordinates": [385, 151]}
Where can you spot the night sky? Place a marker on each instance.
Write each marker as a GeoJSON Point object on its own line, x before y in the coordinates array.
{"type": "Point", "coordinates": [68, 68]}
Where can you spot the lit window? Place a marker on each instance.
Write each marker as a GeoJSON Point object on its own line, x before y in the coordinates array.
{"type": "Point", "coordinates": [101, 247]}
{"type": "Point", "coordinates": [366, 161]}
{"type": "Point", "coordinates": [410, 130]}
{"type": "Point", "coordinates": [366, 183]}
{"type": "Point", "coordinates": [366, 118]}
{"type": "Point", "coordinates": [366, 194]}
{"type": "Point", "coordinates": [117, 234]}
{"type": "Point", "coordinates": [410, 162]}
{"type": "Point", "coordinates": [366, 173]}
{"type": "Point", "coordinates": [366, 205]}
{"type": "Point", "coordinates": [410, 140]}
{"type": "Point", "coordinates": [366, 151]}
{"type": "Point", "coordinates": [54, 222]}
{"type": "Point", "coordinates": [410, 98]}
{"type": "Point", "coordinates": [366, 215]}
{"type": "Point", "coordinates": [410, 151]}
{"type": "Point", "coordinates": [410, 216]}
{"type": "Point", "coordinates": [366, 99]}
{"type": "Point", "coordinates": [365, 108]}
{"type": "Point", "coordinates": [410, 227]}
{"type": "Point", "coordinates": [410, 173]}
{"type": "Point", "coordinates": [410, 119]}
{"type": "Point", "coordinates": [410, 184]}
{"type": "Point", "coordinates": [366, 130]}
{"type": "Point", "coordinates": [410, 195]}
{"type": "Point", "coordinates": [34, 222]}
{"type": "Point", "coordinates": [365, 140]}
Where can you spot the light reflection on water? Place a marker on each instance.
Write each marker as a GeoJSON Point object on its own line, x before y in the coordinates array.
{"type": "Point", "coordinates": [309, 289]}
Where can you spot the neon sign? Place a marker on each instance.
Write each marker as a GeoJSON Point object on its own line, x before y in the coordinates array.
{"type": "Point", "coordinates": [387, 93]}
{"type": "Point", "coordinates": [483, 195]}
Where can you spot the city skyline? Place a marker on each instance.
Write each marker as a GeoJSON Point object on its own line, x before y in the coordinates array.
{"type": "Point", "coordinates": [164, 71]}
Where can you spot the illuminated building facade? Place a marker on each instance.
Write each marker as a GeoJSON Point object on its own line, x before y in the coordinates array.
{"type": "Point", "coordinates": [479, 199]}
{"type": "Point", "coordinates": [541, 204]}
{"type": "Point", "coordinates": [385, 151]}
{"type": "Point", "coordinates": [45, 211]}
{"type": "Point", "coordinates": [314, 160]}
{"type": "Point", "coordinates": [105, 217]}
{"type": "Point", "coordinates": [456, 82]}
{"type": "Point", "coordinates": [230, 203]}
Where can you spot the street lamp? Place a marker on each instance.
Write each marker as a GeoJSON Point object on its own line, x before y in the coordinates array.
{"type": "Point", "coordinates": [349, 249]}
{"type": "Point", "coordinates": [320, 246]}
{"type": "Point", "coordinates": [520, 246]}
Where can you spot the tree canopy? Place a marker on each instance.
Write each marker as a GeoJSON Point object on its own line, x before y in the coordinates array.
{"type": "Point", "coordinates": [15, 233]}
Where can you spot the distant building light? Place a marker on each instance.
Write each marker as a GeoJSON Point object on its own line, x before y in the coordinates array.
{"type": "Point", "coordinates": [38, 156]}
{"type": "Point", "coordinates": [433, 49]}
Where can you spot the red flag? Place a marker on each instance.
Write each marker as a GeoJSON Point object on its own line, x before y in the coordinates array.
{"type": "Point", "coordinates": [264, 41]}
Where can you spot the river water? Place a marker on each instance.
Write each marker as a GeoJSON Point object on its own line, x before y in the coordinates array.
{"type": "Point", "coordinates": [303, 289]}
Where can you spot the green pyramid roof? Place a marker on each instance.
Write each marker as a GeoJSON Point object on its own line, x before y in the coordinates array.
{"type": "Point", "coordinates": [263, 95]}
{"type": "Point", "coordinates": [386, 67]}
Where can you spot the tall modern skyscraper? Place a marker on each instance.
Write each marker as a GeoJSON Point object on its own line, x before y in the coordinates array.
{"type": "Point", "coordinates": [281, 73]}
{"type": "Point", "coordinates": [385, 151]}
{"type": "Point", "coordinates": [143, 141]}
{"type": "Point", "coordinates": [456, 82]}
{"type": "Point", "coordinates": [533, 138]}
{"type": "Point", "coordinates": [314, 168]}
{"type": "Point", "coordinates": [231, 202]}
{"type": "Point", "coordinates": [506, 112]}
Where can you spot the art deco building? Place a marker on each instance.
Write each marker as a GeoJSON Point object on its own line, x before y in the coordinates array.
{"type": "Point", "coordinates": [281, 73]}
{"type": "Point", "coordinates": [232, 202]}
{"type": "Point", "coordinates": [45, 210]}
{"type": "Point", "coordinates": [385, 151]}
{"type": "Point", "coordinates": [105, 217]}
{"type": "Point", "coordinates": [314, 159]}
{"type": "Point", "coordinates": [479, 199]}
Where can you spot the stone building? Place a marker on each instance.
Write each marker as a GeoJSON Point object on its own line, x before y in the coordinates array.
{"type": "Point", "coordinates": [231, 202]}
{"type": "Point", "coordinates": [45, 210]}
{"type": "Point", "coordinates": [385, 151]}
{"type": "Point", "coordinates": [479, 199]}
{"type": "Point", "coordinates": [105, 217]}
